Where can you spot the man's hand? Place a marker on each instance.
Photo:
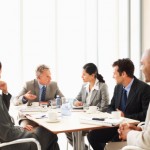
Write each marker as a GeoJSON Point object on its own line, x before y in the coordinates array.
{"type": "Point", "coordinates": [30, 96]}
{"type": "Point", "coordinates": [122, 114]}
{"type": "Point", "coordinates": [125, 128]}
{"type": "Point", "coordinates": [3, 87]}
{"type": "Point", "coordinates": [28, 127]}
{"type": "Point", "coordinates": [123, 131]}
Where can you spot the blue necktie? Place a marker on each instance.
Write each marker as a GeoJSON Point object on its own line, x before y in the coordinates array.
{"type": "Point", "coordinates": [123, 100]}
{"type": "Point", "coordinates": [43, 93]}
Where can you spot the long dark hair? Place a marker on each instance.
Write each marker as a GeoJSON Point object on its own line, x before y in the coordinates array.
{"type": "Point", "coordinates": [91, 68]}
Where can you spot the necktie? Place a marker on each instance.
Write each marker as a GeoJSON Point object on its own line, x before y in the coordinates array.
{"type": "Point", "coordinates": [123, 100]}
{"type": "Point", "coordinates": [43, 93]}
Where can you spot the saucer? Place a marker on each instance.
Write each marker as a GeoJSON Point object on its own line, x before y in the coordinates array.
{"type": "Point", "coordinates": [53, 121]}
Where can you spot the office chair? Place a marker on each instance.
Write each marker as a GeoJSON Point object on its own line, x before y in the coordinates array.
{"type": "Point", "coordinates": [25, 140]}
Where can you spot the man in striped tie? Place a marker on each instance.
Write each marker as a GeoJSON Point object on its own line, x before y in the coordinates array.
{"type": "Point", "coordinates": [133, 103]}
{"type": "Point", "coordinates": [41, 89]}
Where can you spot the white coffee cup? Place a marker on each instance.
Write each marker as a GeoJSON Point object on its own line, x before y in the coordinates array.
{"type": "Point", "coordinates": [52, 115]}
{"type": "Point", "coordinates": [35, 104]}
{"type": "Point", "coordinates": [116, 114]}
{"type": "Point", "coordinates": [92, 109]}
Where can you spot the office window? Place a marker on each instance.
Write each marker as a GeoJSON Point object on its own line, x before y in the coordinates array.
{"type": "Point", "coordinates": [65, 35]}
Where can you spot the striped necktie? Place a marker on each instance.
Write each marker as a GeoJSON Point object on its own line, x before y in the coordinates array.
{"type": "Point", "coordinates": [43, 93]}
{"type": "Point", "coordinates": [123, 100]}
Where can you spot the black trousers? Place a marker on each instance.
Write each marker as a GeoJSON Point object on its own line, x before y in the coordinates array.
{"type": "Point", "coordinates": [99, 138]}
{"type": "Point", "coordinates": [47, 139]}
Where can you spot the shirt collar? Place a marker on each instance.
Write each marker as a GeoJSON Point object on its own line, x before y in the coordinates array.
{"type": "Point", "coordinates": [128, 87]}
{"type": "Point", "coordinates": [95, 87]}
{"type": "Point", "coordinates": [40, 85]}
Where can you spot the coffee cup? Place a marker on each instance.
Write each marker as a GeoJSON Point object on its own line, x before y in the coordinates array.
{"type": "Point", "coordinates": [92, 109]}
{"type": "Point", "coordinates": [52, 115]}
{"type": "Point", "coordinates": [116, 114]}
{"type": "Point", "coordinates": [35, 104]}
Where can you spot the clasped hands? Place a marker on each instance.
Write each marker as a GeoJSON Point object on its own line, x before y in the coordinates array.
{"type": "Point", "coordinates": [125, 128]}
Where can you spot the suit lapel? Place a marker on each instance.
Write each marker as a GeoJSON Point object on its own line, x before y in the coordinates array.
{"type": "Point", "coordinates": [132, 92]}
{"type": "Point", "coordinates": [36, 89]}
{"type": "Point", "coordinates": [118, 102]}
{"type": "Point", "coordinates": [94, 93]}
{"type": "Point", "coordinates": [84, 94]}
{"type": "Point", "coordinates": [47, 92]}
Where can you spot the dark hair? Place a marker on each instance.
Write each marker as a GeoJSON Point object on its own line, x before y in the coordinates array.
{"type": "Point", "coordinates": [126, 65]}
{"type": "Point", "coordinates": [91, 68]}
{"type": "Point", "coordinates": [0, 65]}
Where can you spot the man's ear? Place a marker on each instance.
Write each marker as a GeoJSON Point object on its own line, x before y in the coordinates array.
{"type": "Point", "coordinates": [124, 74]}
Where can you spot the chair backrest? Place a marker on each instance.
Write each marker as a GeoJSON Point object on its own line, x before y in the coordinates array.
{"type": "Point", "coordinates": [26, 140]}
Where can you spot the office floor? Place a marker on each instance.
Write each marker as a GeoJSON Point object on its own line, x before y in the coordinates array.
{"type": "Point", "coordinates": [62, 141]}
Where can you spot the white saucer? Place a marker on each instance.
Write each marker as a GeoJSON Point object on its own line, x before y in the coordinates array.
{"type": "Point", "coordinates": [53, 121]}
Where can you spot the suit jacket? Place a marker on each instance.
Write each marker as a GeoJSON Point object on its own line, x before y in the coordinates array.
{"type": "Point", "coordinates": [99, 97]}
{"type": "Point", "coordinates": [141, 138]}
{"type": "Point", "coordinates": [137, 102]}
{"type": "Point", "coordinates": [51, 91]}
{"type": "Point", "coordinates": [9, 132]}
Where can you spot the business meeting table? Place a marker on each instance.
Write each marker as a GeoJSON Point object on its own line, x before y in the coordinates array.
{"type": "Point", "coordinates": [76, 122]}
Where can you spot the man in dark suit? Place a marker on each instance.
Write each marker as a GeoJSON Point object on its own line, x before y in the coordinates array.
{"type": "Point", "coordinates": [134, 106]}
{"type": "Point", "coordinates": [9, 132]}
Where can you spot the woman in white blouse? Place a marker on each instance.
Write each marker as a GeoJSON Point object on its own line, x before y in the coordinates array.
{"type": "Point", "coordinates": [94, 92]}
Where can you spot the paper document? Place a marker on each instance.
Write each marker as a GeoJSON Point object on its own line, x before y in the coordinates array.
{"type": "Point", "coordinates": [101, 121]}
{"type": "Point", "coordinates": [33, 109]}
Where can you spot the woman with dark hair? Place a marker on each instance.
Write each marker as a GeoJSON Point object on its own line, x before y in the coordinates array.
{"type": "Point", "coordinates": [94, 92]}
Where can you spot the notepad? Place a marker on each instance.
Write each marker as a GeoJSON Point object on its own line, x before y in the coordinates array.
{"type": "Point", "coordinates": [105, 122]}
{"type": "Point", "coordinates": [33, 109]}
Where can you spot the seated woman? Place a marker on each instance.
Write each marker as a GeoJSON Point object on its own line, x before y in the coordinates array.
{"type": "Point", "coordinates": [94, 91]}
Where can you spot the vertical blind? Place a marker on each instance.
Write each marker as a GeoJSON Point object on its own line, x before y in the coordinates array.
{"type": "Point", "coordinates": [65, 35]}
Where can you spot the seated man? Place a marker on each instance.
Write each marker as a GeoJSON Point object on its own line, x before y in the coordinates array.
{"type": "Point", "coordinates": [9, 132]}
{"type": "Point", "coordinates": [139, 136]}
{"type": "Point", "coordinates": [131, 97]}
{"type": "Point", "coordinates": [37, 90]}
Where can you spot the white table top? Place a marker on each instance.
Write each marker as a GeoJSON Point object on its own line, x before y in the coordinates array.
{"type": "Point", "coordinates": [72, 123]}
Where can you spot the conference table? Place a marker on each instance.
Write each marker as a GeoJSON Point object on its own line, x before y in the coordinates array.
{"type": "Point", "coordinates": [77, 122]}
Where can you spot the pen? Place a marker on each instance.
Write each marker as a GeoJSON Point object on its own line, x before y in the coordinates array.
{"type": "Point", "coordinates": [99, 119]}
{"type": "Point", "coordinates": [43, 116]}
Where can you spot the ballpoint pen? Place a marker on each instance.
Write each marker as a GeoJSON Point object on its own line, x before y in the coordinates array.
{"type": "Point", "coordinates": [99, 119]}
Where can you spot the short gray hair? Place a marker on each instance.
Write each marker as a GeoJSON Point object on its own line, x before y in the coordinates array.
{"type": "Point", "coordinates": [40, 69]}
